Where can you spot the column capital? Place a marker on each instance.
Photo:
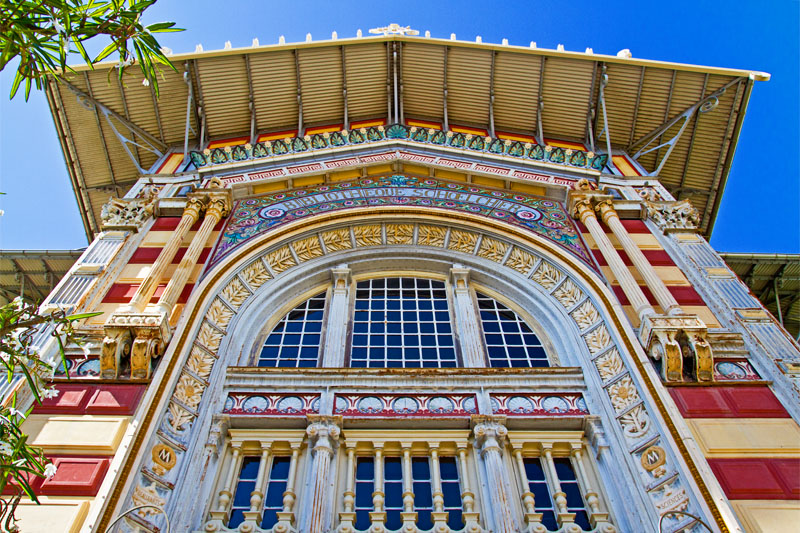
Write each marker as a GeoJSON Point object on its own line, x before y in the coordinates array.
{"type": "Point", "coordinates": [606, 210]}
{"type": "Point", "coordinates": [584, 197]}
{"type": "Point", "coordinates": [489, 431]}
{"type": "Point", "coordinates": [673, 217]}
{"type": "Point", "coordinates": [323, 432]}
{"type": "Point", "coordinates": [340, 278]}
{"type": "Point", "coordinates": [459, 275]}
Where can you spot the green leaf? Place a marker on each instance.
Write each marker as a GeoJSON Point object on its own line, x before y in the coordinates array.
{"type": "Point", "coordinates": [81, 316]}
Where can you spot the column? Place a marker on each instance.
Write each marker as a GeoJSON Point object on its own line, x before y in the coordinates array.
{"type": "Point", "coordinates": [408, 515]}
{"type": "Point", "coordinates": [665, 298]}
{"type": "Point", "coordinates": [347, 517]}
{"type": "Point", "coordinates": [559, 496]}
{"type": "Point", "coordinates": [489, 436]}
{"type": "Point", "coordinates": [218, 207]}
{"type": "Point", "coordinates": [253, 517]}
{"type": "Point", "coordinates": [467, 319]}
{"type": "Point", "coordinates": [438, 515]}
{"type": "Point", "coordinates": [333, 354]}
{"type": "Point", "coordinates": [286, 516]}
{"type": "Point", "coordinates": [589, 495]}
{"type": "Point", "coordinates": [471, 518]}
{"type": "Point", "coordinates": [219, 516]}
{"type": "Point", "coordinates": [378, 516]}
{"type": "Point", "coordinates": [323, 432]}
{"type": "Point", "coordinates": [145, 291]}
{"type": "Point", "coordinates": [533, 520]}
{"type": "Point", "coordinates": [585, 213]}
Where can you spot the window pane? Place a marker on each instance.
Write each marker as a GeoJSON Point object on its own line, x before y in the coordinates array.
{"type": "Point", "coordinates": [569, 484]}
{"type": "Point", "coordinates": [537, 483]}
{"type": "Point", "coordinates": [365, 472]}
{"type": "Point", "coordinates": [509, 340]}
{"type": "Point", "coordinates": [391, 338]}
{"type": "Point", "coordinates": [294, 341]}
{"type": "Point", "coordinates": [245, 485]}
{"type": "Point", "coordinates": [276, 486]}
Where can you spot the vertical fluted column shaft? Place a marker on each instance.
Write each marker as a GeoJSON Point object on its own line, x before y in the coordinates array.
{"type": "Point", "coordinates": [665, 298]}
{"type": "Point", "coordinates": [333, 355]}
{"type": "Point", "coordinates": [467, 320]}
{"type": "Point", "coordinates": [145, 291]}
{"type": "Point", "coordinates": [214, 213]}
{"type": "Point", "coordinates": [323, 435]}
{"type": "Point", "coordinates": [585, 213]}
{"type": "Point", "coordinates": [489, 436]}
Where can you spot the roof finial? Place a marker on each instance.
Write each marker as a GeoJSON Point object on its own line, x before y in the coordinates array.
{"type": "Point", "coordinates": [394, 29]}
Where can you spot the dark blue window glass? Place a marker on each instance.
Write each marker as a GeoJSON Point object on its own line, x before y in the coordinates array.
{"type": "Point", "coordinates": [247, 484]}
{"type": "Point", "coordinates": [384, 336]}
{"type": "Point", "coordinates": [569, 485]}
{"type": "Point", "coordinates": [393, 488]}
{"type": "Point", "coordinates": [510, 342]}
{"type": "Point", "coordinates": [365, 486]}
{"type": "Point", "coordinates": [537, 483]}
{"type": "Point", "coordinates": [294, 342]}
{"type": "Point", "coordinates": [451, 490]}
{"type": "Point", "coordinates": [276, 486]}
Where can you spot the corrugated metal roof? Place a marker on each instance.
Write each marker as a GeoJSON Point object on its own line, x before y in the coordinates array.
{"type": "Point", "coordinates": [767, 275]}
{"type": "Point", "coordinates": [640, 95]}
{"type": "Point", "coordinates": [33, 273]}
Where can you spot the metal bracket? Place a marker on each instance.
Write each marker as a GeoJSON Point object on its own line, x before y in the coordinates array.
{"type": "Point", "coordinates": [704, 105]}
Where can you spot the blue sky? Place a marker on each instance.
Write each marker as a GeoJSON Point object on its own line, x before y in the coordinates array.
{"type": "Point", "coordinates": [760, 210]}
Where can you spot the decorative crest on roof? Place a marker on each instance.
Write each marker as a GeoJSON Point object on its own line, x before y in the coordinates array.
{"type": "Point", "coordinates": [394, 29]}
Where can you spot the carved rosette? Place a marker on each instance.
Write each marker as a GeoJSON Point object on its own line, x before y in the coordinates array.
{"type": "Point", "coordinates": [676, 339]}
{"type": "Point", "coordinates": [673, 217]}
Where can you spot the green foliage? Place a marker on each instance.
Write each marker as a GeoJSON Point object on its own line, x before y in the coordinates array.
{"type": "Point", "coordinates": [45, 33]}
{"type": "Point", "coordinates": [19, 320]}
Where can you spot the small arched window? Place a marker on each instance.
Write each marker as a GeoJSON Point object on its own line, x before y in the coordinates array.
{"type": "Point", "coordinates": [294, 342]}
{"type": "Point", "coordinates": [510, 342]}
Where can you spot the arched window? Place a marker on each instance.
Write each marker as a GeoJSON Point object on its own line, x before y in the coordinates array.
{"type": "Point", "coordinates": [510, 342]}
{"type": "Point", "coordinates": [294, 342]}
{"type": "Point", "coordinates": [401, 322]}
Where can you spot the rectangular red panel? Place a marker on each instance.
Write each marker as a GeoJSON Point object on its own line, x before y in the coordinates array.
{"type": "Point", "coordinates": [171, 223]}
{"type": "Point", "coordinates": [75, 476]}
{"type": "Point", "coordinates": [654, 257]}
{"type": "Point", "coordinates": [754, 402]}
{"type": "Point", "coordinates": [685, 295]}
{"type": "Point", "coordinates": [635, 226]}
{"type": "Point", "coordinates": [727, 402]}
{"type": "Point", "coordinates": [70, 399]}
{"type": "Point", "coordinates": [78, 399]}
{"type": "Point", "coordinates": [115, 400]}
{"type": "Point", "coordinates": [758, 478]}
{"type": "Point", "coordinates": [121, 293]}
{"type": "Point", "coordinates": [148, 255]}
{"type": "Point", "coordinates": [701, 402]}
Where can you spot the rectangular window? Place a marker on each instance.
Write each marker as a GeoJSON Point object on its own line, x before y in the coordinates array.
{"type": "Point", "coordinates": [244, 487]}
{"type": "Point", "coordinates": [422, 486]}
{"type": "Point", "coordinates": [402, 323]}
{"type": "Point", "coordinates": [276, 486]}
{"type": "Point", "coordinates": [542, 491]}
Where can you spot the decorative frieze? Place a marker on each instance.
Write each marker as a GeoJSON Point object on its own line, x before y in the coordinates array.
{"type": "Point", "coordinates": [396, 405]}
{"type": "Point", "coordinates": [540, 404]}
{"type": "Point", "coordinates": [271, 404]}
{"type": "Point", "coordinates": [128, 214]}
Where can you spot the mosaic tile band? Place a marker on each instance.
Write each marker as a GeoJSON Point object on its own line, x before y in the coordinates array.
{"type": "Point", "coordinates": [253, 217]}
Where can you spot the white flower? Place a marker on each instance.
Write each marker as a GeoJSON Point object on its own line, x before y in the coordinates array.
{"type": "Point", "coordinates": [50, 392]}
{"type": "Point", "coordinates": [6, 448]}
{"type": "Point", "coordinates": [49, 470]}
{"type": "Point", "coordinates": [15, 412]}
{"type": "Point", "coordinates": [2, 212]}
{"type": "Point", "coordinates": [17, 302]}
{"type": "Point", "coordinates": [146, 82]}
{"type": "Point", "coordinates": [58, 26]}
{"type": "Point", "coordinates": [87, 349]}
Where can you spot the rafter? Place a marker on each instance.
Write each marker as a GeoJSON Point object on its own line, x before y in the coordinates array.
{"type": "Point", "coordinates": [491, 94]}
{"type": "Point", "coordinates": [300, 129]}
{"type": "Point", "coordinates": [692, 137]}
{"type": "Point", "coordinates": [128, 116]}
{"type": "Point", "coordinates": [540, 101]}
{"type": "Point", "coordinates": [636, 107]}
{"type": "Point", "coordinates": [589, 135]}
{"type": "Point", "coordinates": [251, 103]}
{"type": "Point", "coordinates": [445, 120]}
{"type": "Point", "coordinates": [346, 117]}
{"type": "Point", "coordinates": [103, 143]}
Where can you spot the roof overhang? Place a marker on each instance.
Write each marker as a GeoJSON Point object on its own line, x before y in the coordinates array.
{"type": "Point", "coordinates": [112, 132]}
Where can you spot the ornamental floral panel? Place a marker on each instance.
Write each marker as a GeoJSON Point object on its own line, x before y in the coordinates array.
{"type": "Point", "coordinates": [271, 404]}
{"type": "Point", "coordinates": [734, 370]}
{"type": "Point", "coordinates": [411, 405]}
{"type": "Point", "coordinates": [544, 404]}
{"type": "Point", "coordinates": [254, 216]}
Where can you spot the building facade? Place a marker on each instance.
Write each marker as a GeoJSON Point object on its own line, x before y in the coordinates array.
{"type": "Point", "coordinates": [397, 283]}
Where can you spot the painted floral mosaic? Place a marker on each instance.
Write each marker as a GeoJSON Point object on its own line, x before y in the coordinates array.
{"type": "Point", "coordinates": [255, 216]}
